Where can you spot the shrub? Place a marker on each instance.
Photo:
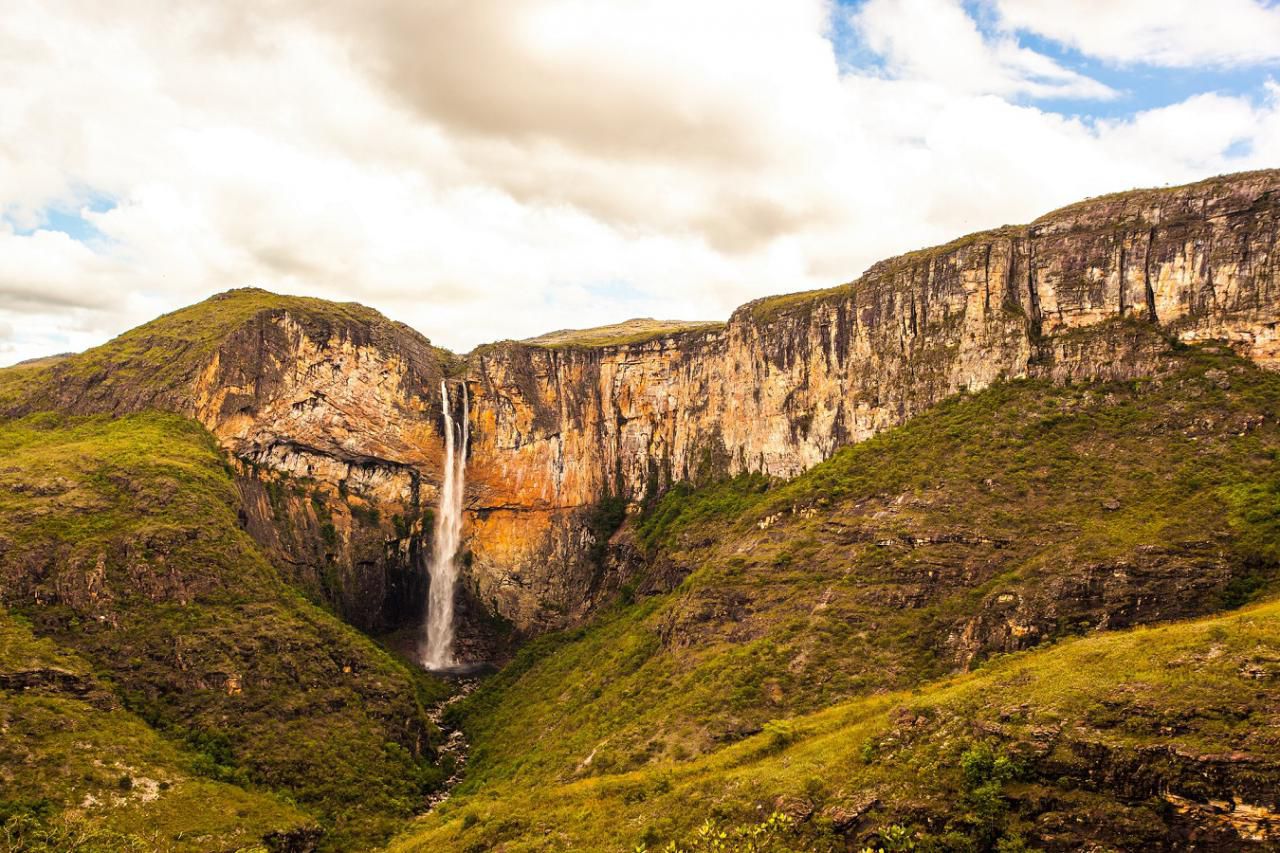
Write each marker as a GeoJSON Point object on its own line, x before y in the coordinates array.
{"type": "Point", "coordinates": [603, 520]}
{"type": "Point", "coordinates": [781, 734]}
{"type": "Point", "coordinates": [777, 833]}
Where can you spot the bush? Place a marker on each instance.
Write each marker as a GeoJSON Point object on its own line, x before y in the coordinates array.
{"type": "Point", "coordinates": [778, 833]}
{"type": "Point", "coordinates": [781, 734]}
{"type": "Point", "coordinates": [365, 513]}
{"type": "Point", "coordinates": [603, 520]}
{"type": "Point", "coordinates": [986, 772]}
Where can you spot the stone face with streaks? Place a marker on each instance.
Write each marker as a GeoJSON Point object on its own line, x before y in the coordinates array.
{"type": "Point", "coordinates": [790, 379]}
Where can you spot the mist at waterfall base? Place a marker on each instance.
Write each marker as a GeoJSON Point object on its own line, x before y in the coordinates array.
{"type": "Point", "coordinates": [436, 652]}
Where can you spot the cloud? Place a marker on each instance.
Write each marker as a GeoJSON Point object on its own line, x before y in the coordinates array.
{"type": "Point", "coordinates": [483, 170]}
{"type": "Point", "coordinates": [1177, 33]}
{"type": "Point", "coordinates": [936, 41]}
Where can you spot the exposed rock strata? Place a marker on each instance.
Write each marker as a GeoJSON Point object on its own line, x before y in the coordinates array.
{"type": "Point", "coordinates": [790, 379]}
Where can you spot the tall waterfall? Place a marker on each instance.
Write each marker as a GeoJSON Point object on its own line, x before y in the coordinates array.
{"type": "Point", "coordinates": [437, 652]}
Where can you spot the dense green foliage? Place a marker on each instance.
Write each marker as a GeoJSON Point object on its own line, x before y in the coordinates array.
{"type": "Point", "coordinates": [120, 541]}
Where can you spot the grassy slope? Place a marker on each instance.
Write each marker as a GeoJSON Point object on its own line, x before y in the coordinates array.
{"type": "Point", "coordinates": [165, 353]}
{"type": "Point", "coordinates": [635, 331]}
{"type": "Point", "coordinates": [77, 768]}
{"type": "Point", "coordinates": [1064, 715]}
{"type": "Point", "coordinates": [857, 577]}
{"type": "Point", "coordinates": [119, 540]}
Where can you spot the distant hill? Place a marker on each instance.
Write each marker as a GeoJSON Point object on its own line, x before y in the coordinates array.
{"type": "Point", "coordinates": [634, 331]}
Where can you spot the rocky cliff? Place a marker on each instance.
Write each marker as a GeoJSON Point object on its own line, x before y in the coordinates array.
{"type": "Point", "coordinates": [329, 414]}
{"type": "Point", "coordinates": [332, 413]}
{"type": "Point", "coordinates": [790, 379]}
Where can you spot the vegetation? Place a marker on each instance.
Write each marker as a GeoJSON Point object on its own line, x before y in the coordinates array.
{"type": "Point", "coordinates": [82, 773]}
{"type": "Point", "coordinates": [683, 507]}
{"type": "Point", "coordinates": [603, 520]}
{"type": "Point", "coordinates": [120, 543]}
{"type": "Point", "coordinates": [1058, 718]}
{"type": "Point", "coordinates": [162, 356]}
{"type": "Point", "coordinates": [811, 655]}
{"type": "Point", "coordinates": [1034, 614]}
{"type": "Point", "coordinates": [637, 331]}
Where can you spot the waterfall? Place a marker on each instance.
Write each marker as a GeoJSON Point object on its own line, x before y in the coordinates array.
{"type": "Point", "coordinates": [437, 652]}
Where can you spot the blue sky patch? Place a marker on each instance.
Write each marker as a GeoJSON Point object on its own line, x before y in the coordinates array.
{"type": "Point", "coordinates": [69, 218]}
{"type": "Point", "coordinates": [1141, 87]}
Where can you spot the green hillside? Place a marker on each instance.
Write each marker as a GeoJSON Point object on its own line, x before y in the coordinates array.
{"type": "Point", "coordinates": [1115, 741]}
{"type": "Point", "coordinates": [119, 542]}
{"type": "Point", "coordinates": [81, 772]}
{"type": "Point", "coordinates": [997, 523]}
{"type": "Point", "coordinates": [153, 365]}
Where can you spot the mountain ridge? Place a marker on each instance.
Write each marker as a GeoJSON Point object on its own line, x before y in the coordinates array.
{"type": "Point", "coordinates": [337, 393]}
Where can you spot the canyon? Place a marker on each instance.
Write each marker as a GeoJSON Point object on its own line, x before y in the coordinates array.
{"type": "Point", "coordinates": [1009, 503]}
{"type": "Point", "coordinates": [350, 403]}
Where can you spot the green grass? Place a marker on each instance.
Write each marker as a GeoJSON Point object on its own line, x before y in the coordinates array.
{"type": "Point", "coordinates": [119, 541]}
{"type": "Point", "coordinates": [1015, 517]}
{"type": "Point", "coordinates": [626, 333]}
{"type": "Point", "coordinates": [980, 755]}
{"type": "Point", "coordinates": [164, 356]}
{"type": "Point", "coordinates": [683, 506]}
{"type": "Point", "coordinates": [18, 382]}
{"type": "Point", "coordinates": [79, 769]}
{"type": "Point", "coordinates": [769, 307]}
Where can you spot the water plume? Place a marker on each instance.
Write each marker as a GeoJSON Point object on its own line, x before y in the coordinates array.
{"type": "Point", "coordinates": [437, 649]}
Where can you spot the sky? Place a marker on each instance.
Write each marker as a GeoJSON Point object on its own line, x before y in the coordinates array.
{"type": "Point", "coordinates": [489, 169]}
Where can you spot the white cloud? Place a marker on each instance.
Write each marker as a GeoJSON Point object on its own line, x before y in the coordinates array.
{"type": "Point", "coordinates": [1180, 33]}
{"type": "Point", "coordinates": [484, 170]}
{"type": "Point", "coordinates": [937, 41]}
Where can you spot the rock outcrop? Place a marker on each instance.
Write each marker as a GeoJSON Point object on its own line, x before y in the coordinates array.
{"type": "Point", "coordinates": [330, 414]}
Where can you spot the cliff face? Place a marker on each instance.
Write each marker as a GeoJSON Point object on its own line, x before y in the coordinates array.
{"type": "Point", "coordinates": [346, 415]}
{"type": "Point", "coordinates": [790, 379]}
{"type": "Point", "coordinates": [329, 413]}
{"type": "Point", "coordinates": [332, 413]}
